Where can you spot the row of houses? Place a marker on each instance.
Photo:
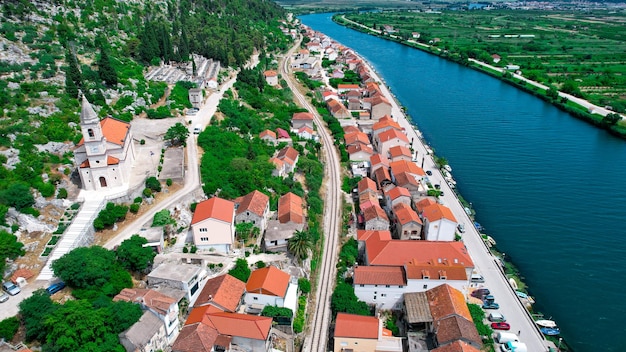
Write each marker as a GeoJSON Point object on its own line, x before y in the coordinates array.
{"type": "Point", "coordinates": [218, 319]}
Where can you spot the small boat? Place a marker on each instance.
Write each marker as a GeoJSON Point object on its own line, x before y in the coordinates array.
{"type": "Point", "coordinates": [447, 167]}
{"type": "Point", "coordinates": [546, 323]}
{"type": "Point", "coordinates": [550, 331]}
{"type": "Point", "coordinates": [548, 327]}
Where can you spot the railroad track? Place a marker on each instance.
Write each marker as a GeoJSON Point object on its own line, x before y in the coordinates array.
{"type": "Point", "coordinates": [317, 339]}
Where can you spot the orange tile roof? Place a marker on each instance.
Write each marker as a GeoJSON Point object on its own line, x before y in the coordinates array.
{"type": "Point", "coordinates": [268, 133]}
{"type": "Point", "coordinates": [195, 338]}
{"type": "Point", "coordinates": [398, 192]}
{"type": "Point", "coordinates": [392, 134]}
{"type": "Point", "coordinates": [405, 179]}
{"type": "Point", "coordinates": [150, 298]}
{"type": "Point", "coordinates": [423, 203]}
{"type": "Point", "coordinates": [378, 99]}
{"type": "Point", "coordinates": [242, 325]}
{"type": "Point", "coordinates": [355, 148]}
{"type": "Point", "coordinates": [384, 122]}
{"type": "Point", "coordinates": [366, 184]}
{"type": "Point", "coordinates": [350, 129]}
{"type": "Point", "coordinates": [399, 252]}
{"type": "Point", "coordinates": [288, 155]}
{"type": "Point", "coordinates": [356, 326]}
{"type": "Point", "coordinates": [114, 130]}
{"type": "Point", "coordinates": [111, 160]}
{"type": "Point", "coordinates": [405, 214]}
{"type": "Point", "coordinates": [456, 346]}
{"type": "Point", "coordinates": [304, 116]}
{"type": "Point", "coordinates": [348, 86]}
{"type": "Point", "coordinates": [445, 300]}
{"type": "Point", "coordinates": [290, 209]}
{"type": "Point", "coordinates": [400, 166]}
{"type": "Point", "coordinates": [400, 150]}
{"type": "Point", "coordinates": [435, 212]}
{"type": "Point", "coordinates": [306, 129]}
{"type": "Point", "coordinates": [277, 162]}
{"type": "Point", "coordinates": [375, 212]}
{"type": "Point", "coordinates": [214, 208]}
{"type": "Point", "coordinates": [254, 202]}
{"type": "Point", "coordinates": [455, 328]}
{"type": "Point", "coordinates": [269, 281]}
{"type": "Point", "coordinates": [356, 137]}
{"type": "Point", "coordinates": [367, 200]}
{"type": "Point", "coordinates": [435, 270]}
{"type": "Point", "coordinates": [379, 275]}
{"type": "Point", "coordinates": [270, 73]}
{"type": "Point", "coordinates": [363, 235]}
{"type": "Point", "coordinates": [24, 273]}
{"type": "Point", "coordinates": [224, 291]}
{"type": "Point", "coordinates": [382, 174]}
{"type": "Point", "coordinates": [378, 159]}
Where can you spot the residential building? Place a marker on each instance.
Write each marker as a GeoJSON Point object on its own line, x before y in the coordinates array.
{"type": "Point", "coordinates": [400, 152]}
{"type": "Point", "coordinates": [358, 333]}
{"type": "Point", "coordinates": [355, 137]}
{"type": "Point", "coordinates": [360, 152]}
{"type": "Point", "coordinates": [290, 209]}
{"type": "Point", "coordinates": [384, 124]}
{"type": "Point", "coordinates": [271, 286]}
{"type": "Point", "coordinates": [223, 292]}
{"type": "Point", "coordinates": [271, 77]}
{"type": "Point", "coordinates": [282, 136]}
{"type": "Point", "coordinates": [277, 235]}
{"type": "Point", "coordinates": [407, 225]}
{"type": "Point", "coordinates": [375, 218]}
{"type": "Point", "coordinates": [279, 168]}
{"type": "Point", "coordinates": [269, 137]}
{"type": "Point", "coordinates": [253, 208]}
{"type": "Point", "coordinates": [395, 196]}
{"type": "Point", "coordinates": [337, 109]}
{"type": "Point", "coordinates": [146, 335]}
{"type": "Point", "coordinates": [378, 106]}
{"type": "Point", "coordinates": [302, 119]}
{"type": "Point", "coordinates": [382, 286]}
{"type": "Point", "coordinates": [289, 156]}
{"type": "Point", "coordinates": [165, 308]}
{"type": "Point", "coordinates": [378, 160]}
{"type": "Point", "coordinates": [402, 166]}
{"type": "Point", "coordinates": [178, 276]}
{"type": "Point", "coordinates": [212, 224]}
{"type": "Point", "coordinates": [390, 138]}
{"type": "Point", "coordinates": [439, 223]}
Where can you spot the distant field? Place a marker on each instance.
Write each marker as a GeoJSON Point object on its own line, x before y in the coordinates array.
{"type": "Point", "coordinates": [581, 53]}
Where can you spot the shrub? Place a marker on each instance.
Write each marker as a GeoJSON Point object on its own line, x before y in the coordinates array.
{"type": "Point", "coordinates": [169, 182]}
{"type": "Point", "coordinates": [193, 249]}
{"type": "Point", "coordinates": [193, 206]}
{"type": "Point", "coordinates": [142, 142]}
{"type": "Point", "coordinates": [304, 285]}
{"type": "Point", "coordinates": [260, 264]}
{"type": "Point", "coordinates": [8, 328]}
{"type": "Point", "coordinates": [75, 206]}
{"type": "Point", "coordinates": [147, 192]}
{"type": "Point", "coordinates": [134, 208]}
{"type": "Point", "coordinates": [138, 200]}
{"type": "Point", "coordinates": [185, 249]}
{"type": "Point", "coordinates": [32, 211]}
{"type": "Point", "coordinates": [154, 184]}
{"type": "Point", "coordinates": [62, 193]}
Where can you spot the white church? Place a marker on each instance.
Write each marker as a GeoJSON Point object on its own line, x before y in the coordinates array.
{"type": "Point", "coordinates": [106, 153]}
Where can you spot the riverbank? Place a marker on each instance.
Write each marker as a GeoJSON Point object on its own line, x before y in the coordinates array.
{"type": "Point", "coordinates": [574, 106]}
{"type": "Point", "coordinates": [485, 260]}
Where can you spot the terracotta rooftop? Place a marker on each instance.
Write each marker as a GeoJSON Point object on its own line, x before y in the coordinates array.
{"type": "Point", "coordinates": [356, 326]}
{"type": "Point", "coordinates": [290, 209]}
{"type": "Point", "coordinates": [348, 86]}
{"type": "Point", "coordinates": [269, 281]}
{"type": "Point", "coordinates": [435, 212]}
{"type": "Point", "coordinates": [267, 133]}
{"type": "Point", "coordinates": [356, 137]}
{"type": "Point", "coordinates": [149, 298]}
{"type": "Point", "coordinates": [378, 99]}
{"type": "Point", "coordinates": [400, 150]}
{"type": "Point", "coordinates": [405, 214]}
{"type": "Point", "coordinates": [456, 346]}
{"type": "Point", "coordinates": [400, 166]}
{"type": "Point", "coordinates": [197, 337]}
{"type": "Point", "coordinates": [406, 180]}
{"type": "Point", "coordinates": [363, 235]}
{"type": "Point", "coordinates": [436, 271]}
{"type": "Point", "coordinates": [242, 325]}
{"type": "Point", "coordinates": [375, 212]}
{"type": "Point", "coordinates": [23, 272]}
{"type": "Point", "coordinates": [392, 134]}
{"type": "Point", "coordinates": [386, 122]}
{"type": "Point", "coordinates": [270, 73]}
{"type": "Point", "coordinates": [423, 203]}
{"type": "Point", "coordinates": [224, 291]}
{"type": "Point", "coordinates": [306, 129]}
{"type": "Point", "coordinates": [378, 159]}
{"type": "Point", "coordinates": [214, 208]}
{"type": "Point", "coordinates": [281, 133]}
{"type": "Point", "coordinates": [446, 301]}
{"type": "Point", "coordinates": [302, 116]}
{"type": "Point", "coordinates": [398, 252]}
{"type": "Point", "coordinates": [398, 192]}
{"type": "Point", "coordinates": [382, 174]}
{"type": "Point", "coordinates": [355, 148]}
{"type": "Point", "coordinates": [455, 328]}
{"type": "Point", "coordinates": [114, 130]}
{"type": "Point", "coordinates": [350, 129]}
{"type": "Point", "coordinates": [255, 202]}
{"type": "Point", "coordinates": [288, 155]}
{"type": "Point", "coordinates": [366, 184]}
{"type": "Point", "coordinates": [379, 275]}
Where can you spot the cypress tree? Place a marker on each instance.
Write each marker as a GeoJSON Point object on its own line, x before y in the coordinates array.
{"type": "Point", "coordinates": [105, 69]}
{"type": "Point", "coordinates": [73, 72]}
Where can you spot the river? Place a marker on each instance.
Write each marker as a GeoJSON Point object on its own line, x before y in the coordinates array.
{"type": "Point", "coordinates": [549, 188]}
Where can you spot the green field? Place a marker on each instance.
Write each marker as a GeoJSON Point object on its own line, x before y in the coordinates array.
{"type": "Point", "coordinates": [581, 53]}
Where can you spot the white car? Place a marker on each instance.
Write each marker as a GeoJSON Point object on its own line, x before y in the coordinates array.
{"type": "Point", "coordinates": [3, 297]}
{"type": "Point", "coordinates": [11, 288]}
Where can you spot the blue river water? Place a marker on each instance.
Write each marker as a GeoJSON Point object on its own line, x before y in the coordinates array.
{"type": "Point", "coordinates": [549, 188]}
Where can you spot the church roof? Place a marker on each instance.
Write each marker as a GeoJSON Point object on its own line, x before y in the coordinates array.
{"type": "Point", "coordinates": [87, 113]}
{"type": "Point", "coordinates": [114, 130]}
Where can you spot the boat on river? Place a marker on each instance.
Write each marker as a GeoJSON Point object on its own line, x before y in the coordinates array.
{"type": "Point", "coordinates": [548, 327]}
{"type": "Point", "coordinates": [447, 167]}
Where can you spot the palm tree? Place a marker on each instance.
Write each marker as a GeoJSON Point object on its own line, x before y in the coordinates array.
{"type": "Point", "coordinates": [300, 244]}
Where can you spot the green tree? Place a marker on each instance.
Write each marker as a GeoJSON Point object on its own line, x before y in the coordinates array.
{"type": "Point", "coordinates": [33, 311]}
{"type": "Point", "coordinates": [241, 270]}
{"type": "Point", "coordinates": [10, 248]}
{"type": "Point", "coordinates": [17, 195]}
{"type": "Point", "coordinates": [92, 271]}
{"type": "Point", "coordinates": [611, 119]}
{"type": "Point", "coordinates": [106, 72]}
{"type": "Point", "coordinates": [132, 255]}
{"type": "Point", "coordinates": [73, 72]}
{"type": "Point", "coordinates": [244, 230]}
{"type": "Point", "coordinates": [177, 134]}
{"type": "Point", "coordinates": [552, 93]}
{"type": "Point", "coordinates": [300, 244]}
{"type": "Point", "coordinates": [8, 328]}
{"type": "Point", "coordinates": [153, 183]}
{"type": "Point", "coordinates": [304, 285]}
{"type": "Point", "coordinates": [344, 300]}
{"type": "Point", "coordinates": [163, 218]}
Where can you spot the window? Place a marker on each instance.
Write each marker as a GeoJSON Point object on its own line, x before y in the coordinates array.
{"type": "Point", "coordinates": [204, 239]}
{"type": "Point", "coordinates": [425, 287]}
{"type": "Point", "coordinates": [387, 286]}
{"type": "Point", "coordinates": [383, 295]}
{"type": "Point", "coordinates": [400, 286]}
{"type": "Point", "coordinates": [90, 132]}
{"type": "Point", "coordinates": [203, 229]}
{"type": "Point", "coordinates": [255, 298]}
{"type": "Point", "coordinates": [361, 285]}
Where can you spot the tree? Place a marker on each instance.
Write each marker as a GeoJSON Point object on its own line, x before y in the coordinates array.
{"type": "Point", "coordinates": [92, 271]}
{"type": "Point", "coordinates": [34, 311]}
{"type": "Point", "coordinates": [73, 72]}
{"type": "Point", "coordinates": [304, 285]}
{"type": "Point", "coordinates": [300, 244]}
{"type": "Point", "coordinates": [244, 230]}
{"type": "Point", "coordinates": [132, 255]}
{"type": "Point", "coordinates": [17, 195]}
{"type": "Point", "coordinates": [611, 119]}
{"type": "Point", "coordinates": [552, 93]}
{"type": "Point", "coordinates": [8, 328]}
{"type": "Point", "coordinates": [344, 300]}
{"type": "Point", "coordinates": [10, 248]}
{"type": "Point", "coordinates": [105, 69]}
{"type": "Point", "coordinates": [241, 270]}
{"type": "Point", "coordinates": [153, 183]}
{"type": "Point", "coordinates": [177, 134]}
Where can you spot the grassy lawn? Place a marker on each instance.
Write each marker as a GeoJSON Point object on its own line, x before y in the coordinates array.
{"type": "Point", "coordinates": [583, 54]}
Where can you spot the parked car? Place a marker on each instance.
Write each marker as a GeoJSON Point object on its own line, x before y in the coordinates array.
{"type": "Point", "coordinates": [477, 278]}
{"type": "Point", "coordinates": [11, 288]}
{"type": "Point", "coordinates": [461, 228]}
{"type": "Point", "coordinates": [480, 293]}
{"type": "Point", "coordinates": [496, 317]}
{"type": "Point", "coordinates": [490, 305]}
{"type": "Point", "coordinates": [56, 287]}
{"type": "Point", "coordinates": [429, 173]}
{"type": "Point", "coordinates": [3, 297]}
{"type": "Point", "coordinates": [500, 326]}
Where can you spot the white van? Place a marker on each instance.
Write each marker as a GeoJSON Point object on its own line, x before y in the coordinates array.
{"type": "Point", "coordinates": [477, 278]}
{"type": "Point", "coordinates": [197, 129]}
{"type": "Point", "coordinates": [504, 337]}
{"type": "Point", "coordinates": [495, 316]}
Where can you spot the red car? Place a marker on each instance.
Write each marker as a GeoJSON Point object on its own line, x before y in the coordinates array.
{"type": "Point", "coordinates": [500, 326]}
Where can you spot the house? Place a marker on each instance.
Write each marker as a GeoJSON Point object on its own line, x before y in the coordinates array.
{"type": "Point", "coordinates": [408, 225]}
{"type": "Point", "coordinates": [395, 196]}
{"type": "Point", "coordinates": [367, 185]}
{"type": "Point", "coordinates": [378, 106]}
{"type": "Point", "coordinates": [277, 235]}
{"type": "Point", "coordinates": [377, 161]}
{"type": "Point", "coordinates": [271, 286]}
{"type": "Point", "coordinates": [212, 83]}
{"type": "Point", "coordinates": [413, 183]}
{"type": "Point", "coordinates": [282, 136]}
{"type": "Point", "coordinates": [456, 346]}
{"type": "Point", "coordinates": [360, 333]}
{"type": "Point", "coordinates": [306, 132]}
{"type": "Point", "coordinates": [105, 154]}
{"type": "Point", "coordinates": [302, 119]}
{"type": "Point", "coordinates": [353, 138]}
{"type": "Point", "coordinates": [329, 94]}
{"type": "Point", "coordinates": [402, 166]}
{"type": "Point", "coordinates": [439, 223]}
{"type": "Point", "coordinates": [182, 277]}
{"type": "Point", "coordinates": [375, 218]}
{"type": "Point", "coordinates": [290, 209]}
{"type": "Point", "coordinates": [337, 109]}
{"type": "Point", "coordinates": [415, 35]}
{"type": "Point", "coordinates": [337, 74]}
{"type": "Point", "coordinates": [384, 124]}
{"type": "Point", "coordinates": [154, 236]}
{"type": "Point", "coordinates": [253, 208]}
{"type": "Point", "coordinates": [146, 335]}
{"type": "Point", "coordinates": [196, 97]}
{"type": "Point", "coordinates": [496, 58]}
{"type": "Point", "coordinates": [400, 152]}
{"type": "Point", "coordinates": [269, 137]}
{"type": "Point", "coordinates": [207, 329]}
{"type": "Point", "coordinates": [354, 104]}
{"type": "Point", "coordinates": [223, 292]}
{"type": "Point", "coordinates": [289, 156]}
{"type": "Point", "coordinates": [343, 88]}
{"type": "Point", "coordinates": [360, 152]}
{"type": "Point", "coordinates": [382, 178]}
{"type": "Point", "coordinates": [279, 167]}
{"type": "Point", "coordinates": [271, 77]}
{"type": "Point", "coordinates": [212, 225]}
{"type": "Point", "coordinates": [390, 138]}
{"type": "Point", "coordinates": [163, 307]}
{"type": "Point", "coordinates": [369, 282]}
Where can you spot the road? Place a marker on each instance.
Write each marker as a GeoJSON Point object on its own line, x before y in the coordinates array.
{"type": "Point", "coordinates": [484, 261]}
{"type": "Point", "coordinates": [317, 338]}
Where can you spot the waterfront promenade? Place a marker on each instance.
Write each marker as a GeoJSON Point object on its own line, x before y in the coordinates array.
{"type": "Point", "coordinates": [485, 262]}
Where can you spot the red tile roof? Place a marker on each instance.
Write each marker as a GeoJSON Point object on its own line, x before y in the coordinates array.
{"type": "Point", "coordinates": [270, 73]}
{"type": "Point", "coordinates": [269, 281]}
{"type": "Point", "coordinates": [356, 326]}
{"type": "Point", "coordinates": [224, 291]}
{"type": "Point", "coordinates": [392, 134]}
{"type": "Point", "coordinates": [150, 298]}
{"type": "Point", "coordinates": [288, 155]}
{"type": "Point", "coordinates": [435, 212]}
{"type": "Point", "coordinates": [363, 235]}
{"type": "Point", "coordinates": [378, 99]}
{"type": "Point", "coordinates": [114, 130]}
{"type": "Point", "coordinates": [24, 273]}
{"type": "Point", "coordinates": [267, 133]}
{"type": "Point", "coordinates": [350, 129]}
{"type": "Point", "coordinates": [435, 270]}
{"type": "Point", "coordinates": [356, 148]}
{"type": "Point", "coordinates": [399, 150]}
{"type": "Point", "coordinates": [290, 209]}
{"type": "Point", "coordinates": [407, 180]}
{"type": "Point", "coordinates": [445, 300]}
{"type": "Point", "coordinates": [399, 252]}
{"type": "Point", "coordinates": [356, 137]}
{"type": "Point", "coordinates": [379, 275]}
{"type": "Point", "coordinates": [281, 133]}
{"type": "Point", "coordinates": [348, 86]}
{"type": "Point", "coordinates": [456, 346]}
{"type": "Point", "coordinates": [378, 159]}
{"type": "Point", "coordinates": [302, 116]}
{"type": "Point", "coordinates": [195, 338]}
{"type": "Point", "coordinates": [366, 184]}
{"type": "Point", "coordinates": [385, 122]}
{"type": "Point", "coordinates": [374, 212]}
{"type": "Point", "coordinates": [214, 208]}
{"type": "Point", "coordinates": [382, 174]}
{"type": "Point", "coordinates": [254, 202]}
{"type": "Point", "coordinates": [400, 166]}
{"type": "Point", "coordinates": [242, 325]}
{"type": "Point", "coordinates": [398, 192]}
{"type": "Point", "coordinates": [405, 214]}
{"type": "Point", "coordinates": [425, 203]}
{"type": "Point", "coordinates": [455, 328]}
{"type": "Point", "coordinates": [111, 160]}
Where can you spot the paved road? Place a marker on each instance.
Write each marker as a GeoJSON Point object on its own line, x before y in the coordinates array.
{"type": "Point", "coordinates": [317, 338]}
